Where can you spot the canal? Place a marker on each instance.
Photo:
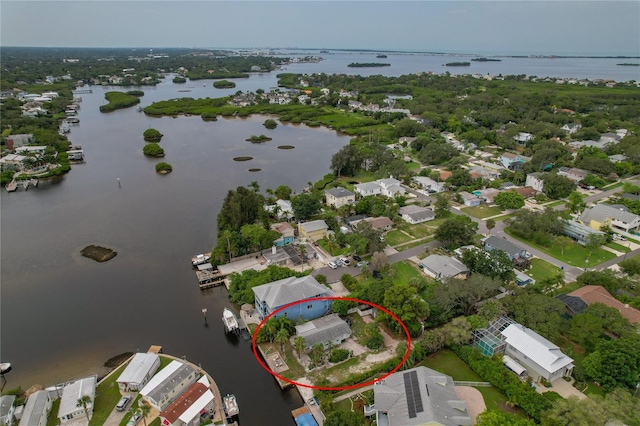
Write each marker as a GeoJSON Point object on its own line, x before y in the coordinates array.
{"type": "Point", "coordinates": [63, 315]}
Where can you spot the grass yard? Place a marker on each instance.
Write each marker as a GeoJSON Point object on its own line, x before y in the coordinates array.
{"type": "Point", "coordinates": [505, 217]}
{"type": "Point", "coordinates": [414, 244]}
{"type": "Point", "coordinates": [404, 271]}
{"type": "Point", "coordinates": [413, 165]}
{"type": "Point", "coordinates": [447, 362]}
{"type": "Point", "coordinates": [357, 326]}
{"type": "Point", "coordinates": [481, 212]}
{"type": "Point", "coordinates": [53, 415]}
{"type": "Point", "coordinates": [541, 269]}
{"type": "Point", "coordinates": [107, 396]}
{"type": "Point", "coordinates": [555, 203]}
{"type": "Point", "coordinates": [618, 247]}
{"type": "Point", "coordinates": [421, 230]}
{"type": "Point", "coordinates": [613, 186]}
{"type": "Point", "coordinates": [336, 252]}
{"type": "Point", "coordinates": [396, 237]}
{"type": "Point", "coordinates": [575, 254]}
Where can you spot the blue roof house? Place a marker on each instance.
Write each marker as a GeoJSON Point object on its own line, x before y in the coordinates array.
{"type": "Point", "coordinates": [272, 296]}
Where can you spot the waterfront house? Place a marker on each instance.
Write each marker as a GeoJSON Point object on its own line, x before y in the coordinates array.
{"type": "Point", "coordinates": [418, 396]}
{"type": "Point", "coordinates": [469, 199]}
{"type": "Point", "coordinates": [140, 369]}
{"type": "Point", "coordinates": [282, 209]}
{"type": "Point", "coordinates": [314, 230]}
{"type": "Point", "coordinates": [68, 410]}
{"type": "Point", "coordinates": [444, 267]}
{"type": "Point", "coordinates": [15, 141]}
{"type": "Point", "coordinates": [338, 197]}
{"type": "Point", "coordinates": [36, 410]}
{"type": "Point", "coordinates": [168, 384]}
{"type": "Point", "coordinates": [514, 251]}
{"type": "Point", "coordinates": [389, 187]}
{"type": "Point", "coordinates": [192, 407]}
{"type": "Point", "coordinates": [7, 409]}
{"type": "Point", "coordinates": [327, 330]}
{"type": "Point", "coordinates": [540, 357]}
{"type": "Point", "coordinates": [367, 188]}
{"type": "Point", "coordinates": [578, 300]}
{"type": "Point", "coordinates": [616, 217]}
{"type": "Point", "coordinates": [31, 149]}
{"type": "Point", "coordinates": [415, 214]}
{"type": "Point", "coordinates": [286, 231]}
{"type": "Point", "coordinates": [13, 162]}
{"type": "Point", "coordinates": [272, 296]}
{"type": "Point", "coordinates": [535, 181]}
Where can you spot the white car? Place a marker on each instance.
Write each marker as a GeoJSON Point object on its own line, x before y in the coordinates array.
{"type": "Point", "coordinates": [345, 261]}
{"type": "Point", "coordinates": [135, 418]}
{"type": "Point", "coordinates": [332, 265]}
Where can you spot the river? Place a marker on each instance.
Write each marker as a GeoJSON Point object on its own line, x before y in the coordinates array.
{"type": "Point", "coordinates": [63, 315]}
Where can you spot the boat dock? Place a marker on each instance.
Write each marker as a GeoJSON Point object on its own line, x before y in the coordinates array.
{"type": "Point", "coordinates": [209, 278]}
{"type": "Point", "coordinates": [276, 363]}
{"type": "Point", "coordinates": [15, 184]}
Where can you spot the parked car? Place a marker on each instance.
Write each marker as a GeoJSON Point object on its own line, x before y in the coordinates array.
{"type": "Point", "coordinates": [619, 237]}
{"type": "Point", "coordinates": [345, 261]}
{"type": "Point", "coordinates": [356, 258]}
{"type": "Point", "coordinates": [362, 263]}
{"type": "Point", "coordinates": [332, 265]}
{"type": "Point", "coordinates": [122, 404]}
{"type": "Point", "coordinates": [338, 262]}
{"type": "Point", "coordinates": [135, 418]}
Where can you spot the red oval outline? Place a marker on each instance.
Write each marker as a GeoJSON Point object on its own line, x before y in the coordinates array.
{"type": "Point", "coordinates": [328, 388]}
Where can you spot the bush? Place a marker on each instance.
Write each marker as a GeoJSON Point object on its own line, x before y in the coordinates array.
{"type": "Point", "coordinates": [224, 84]}
{"type": "Point", "coordinates": [152, 135]}
{"type": "Point", "coordinates": [153, 150]}
{"type": "Point", "coordinates": [375, 342]}
{"type": "Point", "coordinates": [270, 124]}
{"type": "Point", "coordinates": [209, 116]}
{"type": "Point", "coordinates": [163, 167]}
{"type": "Point", "coordinates": [338, 355]}
{"type": "Point", "coordinates": [135, 93]}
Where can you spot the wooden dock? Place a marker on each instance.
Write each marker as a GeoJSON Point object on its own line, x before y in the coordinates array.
{"type": "Point", "coordinates": [209, 278]}
{"type": "Point", "coordinates": [299, 411]}
{"type": "Point", "coordinates": [277, 365]}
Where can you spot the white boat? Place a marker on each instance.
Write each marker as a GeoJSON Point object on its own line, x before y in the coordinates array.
{"type": "Point", "coordinates": [231, 405]}
{"type": "Point", "coordinates": [5, 367]}
{"type": "Point", "coordinates": [230, 321]}
{"type": "Point", "coordinates": [200, 259]}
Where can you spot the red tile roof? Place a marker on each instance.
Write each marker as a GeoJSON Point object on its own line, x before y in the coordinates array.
{"type": "Point", "coordinates": [182, 404]}
{"type": "Point", "coordinates": [598, 294]}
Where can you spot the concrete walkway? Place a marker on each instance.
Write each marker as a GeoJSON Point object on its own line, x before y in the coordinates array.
{"type": "Point", "coordinates": [562, 387]}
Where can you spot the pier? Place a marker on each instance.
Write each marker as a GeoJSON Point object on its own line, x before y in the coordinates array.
{"type": "Point", "coordinates": [15, 184]}
{"type": "Point", "coordinates": [276, 364]}
{"type": "Point", "coordinates": [209, 278]}
{"type": "Point", "coordinates": [82, 91]}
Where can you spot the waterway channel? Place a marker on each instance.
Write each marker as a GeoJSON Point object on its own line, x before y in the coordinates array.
{"type": "Point", "coordinates": [63, 315]}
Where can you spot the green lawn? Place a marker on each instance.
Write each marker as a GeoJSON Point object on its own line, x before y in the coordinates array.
{"type": "Point", "coordinates": [541, 269]}
{"type": "Point", "coordinates": [555, 203]}
{"type": "Point", "coordinates": [421, 230]}
{"type": "Point", "coordinates": [481, 212]}
{"type": "Point", "coordinates": [413, 165]}
{"type": "Point", "coordinates": [107, 396]}
{"type": "Point", "coordinates": [612, 186]}
{"type": "Point", "coordinates": [506, 216]}
{"type": "Point", "coordinates": [396, 237]}
{"type": "Point", "coordinates": [53, 415]}
{"type": "Point", "coordinates": [575, 254]}
{"type": "Point", "coordinates": [404, 271]}
{"type": "Point", "coordinates": [618, 247]}
{"type": "Point", "coordinates": [447, 362]}
{"type": "Point", "coordinates": [336, 252]}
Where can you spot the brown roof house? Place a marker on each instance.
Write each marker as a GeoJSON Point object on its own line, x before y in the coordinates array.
{"type": "Point", "coordinates": [590, 294]}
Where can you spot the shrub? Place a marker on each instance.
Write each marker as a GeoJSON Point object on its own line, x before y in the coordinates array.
{"type": "Point", "coordinates": [270, 124]}
{"type": "Point", "coordinates": [153, 150]}
{"type": "Point", "coordinates": [209, 116]}
{"type": "Point", "coordinates": [375, 341]}
{"type": "Point", "coordinates": [338, 355]}
{"type": "Point", "coordinates": [152, 135]}
{"type": "Point", "coordinates": [163, 167]}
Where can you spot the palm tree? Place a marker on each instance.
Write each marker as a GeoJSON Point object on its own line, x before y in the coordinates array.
{"type": "Point", "coordinates": [271, 327]}
{"type": "Point", "coordinates": [332, 244]}
{"type": "Point", "coordinates": [303, 252]}
{"type": "Point", "coordinates": [145, 410]}
{"type": "Point", "coordinates": [281, 337]}
{"type": "Point", "coordinates": [82, 402]}
{"type": "Point", "coordinates": [298, 344]}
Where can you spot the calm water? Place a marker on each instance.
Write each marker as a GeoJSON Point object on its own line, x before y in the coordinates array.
{"type": "Point", "coordinates": [64, 315]}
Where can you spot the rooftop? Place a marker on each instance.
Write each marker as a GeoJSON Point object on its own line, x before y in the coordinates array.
{"type": "Point", "coordinates": [34, 408]}
{"type": "Point", "coordinates": [138, 368]}
{"type": "Point", "coordinates": [340, 192]}
{"type": "Point", "coordinates": [323, 329]}
{"type": "Point", "coordinates": [503, 244]}
{"type": "Point", "coordinates": [535, 347]}
{"type": "Point", "coordinates": [314, 225]}
{"type": "Point", "coordinates": [289, 290]}
{"type": "Point", "coordinates": [444, 266]}
{"type": "Point", "coordinates": [601, 212]}
{"type": "Point", "coordinates": [74, 391]}
{"type": "Point", "coordinates": [598, 294]}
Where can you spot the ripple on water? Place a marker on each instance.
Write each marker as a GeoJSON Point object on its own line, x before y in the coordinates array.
{"type": "Point", "coordinates": [242, 158]}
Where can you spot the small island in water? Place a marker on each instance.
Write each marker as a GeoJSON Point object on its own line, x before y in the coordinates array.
{"type": "Point", "coordinates": [258, 139]}
{"type": "Point", "coordinates": [486, 60]}
{"type": "Point", "coordinates": [97, 253]}
{"type": "Point", "coordinates": [457, 64]}
{"type": "Point", "coordinates": [367, 64]}
{"type": "Point", "coordinates": [381, 56]}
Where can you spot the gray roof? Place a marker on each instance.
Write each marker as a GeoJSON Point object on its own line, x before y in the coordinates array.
{"type": "Point", "coordinates": [289, 290]}
{"type": "Point", "coordinates": [323, 330]}
{"type": "Point", "coordinates": [314, 225]}
{"type": "Point", "coordinates": [75, 390]}
{"type": "Point", "coordinates": [426, 214]}
{"type": "Point", "coordinates": [35, 409]}
{"type": "Point", "coordinates": [601, 212]}
{"type": "Point", "coordinates": [340, 192]}
{"type": "Point", "coordinates": [170, 382]}
{"type": "Point", "coordinates": [430, 393]}
{"type": "Point", "coordinates": [6, 402]}
{"type": "Point", "coordinates": [411, 208]}
{"type": "Point", "coordinates": [139, 367]}
{"type": "Point", "coordinates": [444, 266]}
{"type": "Point", "coordinates": [504, 245]}
{"type": "Point", "coordinates": [368, 186]}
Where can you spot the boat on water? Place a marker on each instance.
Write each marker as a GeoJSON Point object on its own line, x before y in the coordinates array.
{"type": "Point", "coordinates": [5, 367]}
{"type": "Point", "coordinates": [200, 259]}
{"type": "Point", "coordinates": [230, 321]}
{"type": "Point", "coordinates": [231, 405]}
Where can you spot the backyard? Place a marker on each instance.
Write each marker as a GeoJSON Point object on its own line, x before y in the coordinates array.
{"type": "Point", "coordinates": [541, 270]}
{"type": "Point", "coordinates": [404, 271]}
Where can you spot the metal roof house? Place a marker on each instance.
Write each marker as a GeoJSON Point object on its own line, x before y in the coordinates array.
{"type": "Point", "coordinates": [314, 230]}
{"type": "Point", "coordinates": [605, 214]}
{"type": "Point", "coordinates": [494, 243]}
{"type": "Point", "coordinates": [140, 369]}
{"type": "Point", "coordinates": [7, 408]}
{"type": "Point", "coordinates": [194, 402]}
{"type": "Point", "coordinates": [330, 329]}
{"type": "Point", "coordinates": [272, 296]}
{"type": "Point", "coordinates": [578, 231]}
{"type": "Point", "coordinates": [69, 410]}
{"type": "Point", "coordinates": [442, 267]}
{"type": "Point", "coordinates": [168, 384]}
{"type": "Point", "coordinates": [418, 396]}
{"type": "Point", "coordinates": [540, 357]}
{"type": "Point", "coordinates": [36, 410]}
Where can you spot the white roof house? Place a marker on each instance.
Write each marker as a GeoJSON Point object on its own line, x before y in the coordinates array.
{"type": "Point", "coordinates": [539, 356]}
{"type": "Point", "coordinates": [442, 267]}
{"type": "Point", "coordinates": [415, 214]}
{"type": "Point", "coordinates": [168, 384]}
{"type": "Point", "coordinates": [140, 369]}
{"type": "Point", "coordinates": [367, 188]}
{"type": "Point", "coordinates": [389, 187]}
{"type": "Point", "coordinates": [73, 391]}
{"type": "Point", "coordinates": [36, 409]}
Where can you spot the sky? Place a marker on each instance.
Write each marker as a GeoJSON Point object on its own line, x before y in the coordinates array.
{"type": "Point", "coordinates": [492, 27]}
